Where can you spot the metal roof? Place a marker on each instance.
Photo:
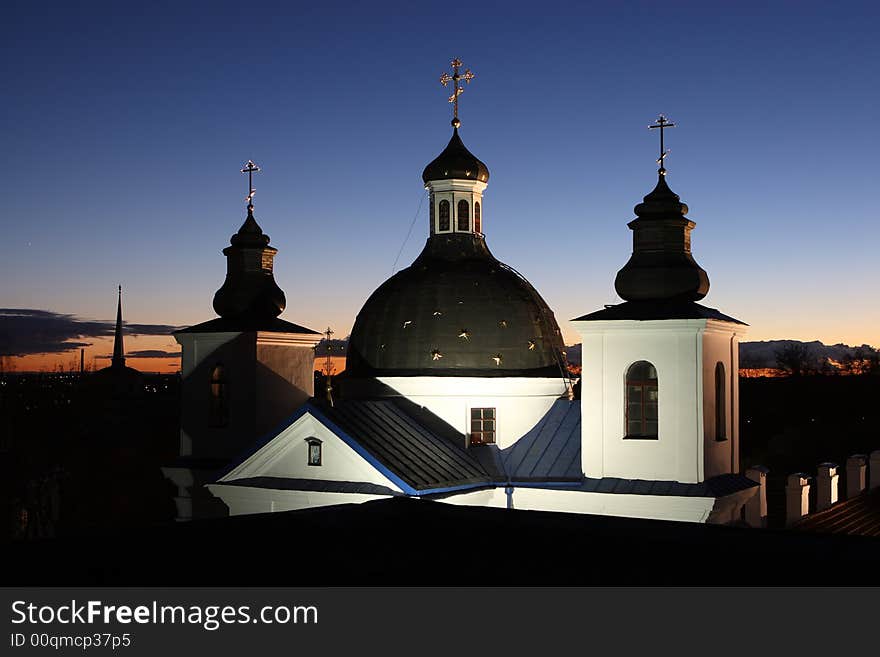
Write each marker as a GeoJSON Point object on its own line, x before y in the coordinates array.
{"type": "Point", "coordinates": [414, 445]}
{"type": "Point", "coordinates": [648, 310]}
{"type": "Point", "coordinates": [551, 450]}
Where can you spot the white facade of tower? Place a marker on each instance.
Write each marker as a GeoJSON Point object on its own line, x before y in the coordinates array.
{"type": "Point", "coordinates": [686, 354]}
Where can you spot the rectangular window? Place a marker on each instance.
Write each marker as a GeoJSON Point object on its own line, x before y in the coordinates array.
{"type": "Point", "coordinates": [314, 452]}
{"type": "Point", "coordinates": [483, 426]}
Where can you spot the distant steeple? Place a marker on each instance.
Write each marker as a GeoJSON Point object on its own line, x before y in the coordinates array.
{"type": "Point", "coordinates": [661, 267]}
{"type": "Point", "coordinates": [118, 349]}
{"type": "Point", "coordinates": [249, 291]}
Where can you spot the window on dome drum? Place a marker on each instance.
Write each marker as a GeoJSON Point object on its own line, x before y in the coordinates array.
{"type": "Point", "coordinates": [641, 400]}
{"type": "Point", "coordinates": [482, 426]}
{"type": "Point", "coordinates": [443, 210]}
{"type": "Point", "coordinates": [314, 451]}
{"type": "Point", "coordinates": [431, 212]}
{"type": "Point", "coordinates": [464, 215]}
{"type": "Point", "coordinates": [720, 403]}
{"type": "Point", "coordinates": [218, 412]}
{"type": "Point", "coordinates": [478, 220]}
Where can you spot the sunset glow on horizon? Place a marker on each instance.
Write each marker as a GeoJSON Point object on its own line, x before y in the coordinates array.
{"type": "Point", "coordinates": [130, 135]}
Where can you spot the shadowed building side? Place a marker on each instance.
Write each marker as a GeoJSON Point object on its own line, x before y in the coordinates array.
{"type": "Point", "coordinates": [242, 373]}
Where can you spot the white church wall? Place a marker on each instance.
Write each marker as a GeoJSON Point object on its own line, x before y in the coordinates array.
{"type": "Point", "coordinates": [683, 509]}
{"type": "Point", "coordinates": [721, 345]}
{"type": "Point", "coordinates": [674, 347]}
{"type": "Point", "coordinates": [519, 401]}
{"type": "Point", "coordinates": [244, 500]}
{"type": "Point", "coordinates": [286, 456]}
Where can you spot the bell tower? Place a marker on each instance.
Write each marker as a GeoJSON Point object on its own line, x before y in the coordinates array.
{"type": "Point", "coordinates": [660, 392]}
{"type": "Point", "coordinates": [243, 372]}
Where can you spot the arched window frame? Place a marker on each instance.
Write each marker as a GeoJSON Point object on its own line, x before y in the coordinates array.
{"type": "Point", "coordinates": [720, 402]}
{"type": "Point", "coordinates": [641, 401]}
{"type": "Point", "coordinates": [218, 411]}
{"type": "Point", "coordinates": [315, 452]}
{"type": "Point", "coordinates": [444, 224]}
{"type": "Point", "coordinates": [431, 214]}
{"type": "Point", "coordinates": [463, 216]}
{"type": "Point", "coordinates": [478, 218]}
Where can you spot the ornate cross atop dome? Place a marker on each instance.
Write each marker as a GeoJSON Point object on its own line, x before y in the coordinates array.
{"type": "Point", "coordinates": [445, 79]}
{"type": "Point", "coordinates": [250, 169]}
{"type": "Point", "coordinates": [662, 124]}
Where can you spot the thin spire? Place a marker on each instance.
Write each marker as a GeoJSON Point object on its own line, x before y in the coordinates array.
{"type": "Point", "coordinates": [118, 349]}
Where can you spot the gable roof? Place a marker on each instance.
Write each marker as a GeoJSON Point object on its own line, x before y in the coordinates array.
{"type": "Point", "coordinates": [409, 444]}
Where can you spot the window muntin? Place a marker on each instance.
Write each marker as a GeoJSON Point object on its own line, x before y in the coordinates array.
{"type": "Point", "coordinates": [464, 215]}
{"type": "Point", "coordinates": [720, 403]}
{"type": "Point", "coordinates": [315, 451]}
{"type": "Point", "coordinates": [218, 410]}
{"type": "Point", "coordinates": [443, 211]}
{"type": "Point", "coordinates": [483, 426]}
{"type": "Point", "coordinates": [641, 400]}
{"type": "Point", "coordinates": [478, 219]}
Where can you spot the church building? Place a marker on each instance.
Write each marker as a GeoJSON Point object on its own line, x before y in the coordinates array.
{"type": "Point", "coordinates": [456, 387]}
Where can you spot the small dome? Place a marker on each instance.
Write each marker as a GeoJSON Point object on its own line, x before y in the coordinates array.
{"type": "Point", "coordinates": [456, 161]}
{"type": "Point", "coordinates": [456, 311]}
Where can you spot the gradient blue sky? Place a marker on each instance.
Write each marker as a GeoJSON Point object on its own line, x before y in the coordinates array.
{"type": "Point", "coordinates": [125, 126]}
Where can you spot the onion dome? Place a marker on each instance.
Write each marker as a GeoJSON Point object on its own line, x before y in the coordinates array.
{"type": "Point", "coordinates": [456, 311]}
{"type": "Point", "coordinates": [661, 267]}
{"type": "Point", "coordinates": [249, 290]}
{"type": "Point", "coordinates": [456, 161]}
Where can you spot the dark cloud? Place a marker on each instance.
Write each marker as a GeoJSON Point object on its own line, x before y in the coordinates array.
{"type": "Point", "coordinates": [26, 331]}
{"type": "Point", "coordinates": [145, 353]}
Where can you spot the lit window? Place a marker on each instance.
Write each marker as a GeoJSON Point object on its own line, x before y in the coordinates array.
{"type": "Point", "coordinates": [641, 400]}
{"type": "Point", "coordinates": [444, 216]}
{"type": "Point", "coordinates": [314, 451]}
{"type": "Point", "coordinates": [478, 219]}
{"type": "Point", "coordinates": [482, 426]}
{"type": "Point", "coordinates": [464, 215]}
{"type": "Point", "coordinates": [720, 403]}
{"type": "Point", "coordinates": [219, 405]}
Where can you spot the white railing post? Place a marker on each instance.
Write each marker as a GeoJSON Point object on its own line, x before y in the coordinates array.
{"type": "Point", "coordinates": [827, 482]}
{"type": "Point", "coordinates": [756, 507]}
{"type": "Point", "coordinates": [797, 497]}
{"type": "Point", "coordinates": [856, 469]}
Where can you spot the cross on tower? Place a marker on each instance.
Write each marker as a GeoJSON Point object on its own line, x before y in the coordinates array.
{"type": "Point", "coordinates": [662, 123]}
{"type": "Point", "coordinates": [250, 169]}
{"type": "Point", "coordinates": [445, 79]}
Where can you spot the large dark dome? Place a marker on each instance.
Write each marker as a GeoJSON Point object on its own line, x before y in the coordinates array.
{"type": "Point", "coordinates": [456, 311]}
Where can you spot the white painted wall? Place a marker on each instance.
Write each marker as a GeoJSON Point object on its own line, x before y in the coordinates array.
{"type": "Point", "coordinates": [683, 509]}
{"type": "Point", "coordinates": [721, 345]}
{"type": "Point", "coordinates": [455, 190]}
{"type": "Point", "coordinates": [243, 500]}
{"type": "Point", "coordinates": [519, 401]}
{"type": "Point", "coordinates": [286, 456]}
{"type": "Point", "coordinates": [684, 352]}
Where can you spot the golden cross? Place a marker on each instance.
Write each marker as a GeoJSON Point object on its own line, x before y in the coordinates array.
{"type": "Point", "coordinates": [662, 123]}
{"type": "Point", "coordinates": [445, 79]}
{"type": "Point", "coordinates": [250, 169]}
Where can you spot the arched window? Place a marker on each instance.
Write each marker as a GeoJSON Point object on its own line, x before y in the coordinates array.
{"type": "Point", "coordinates": [314, 446]}
{"type": "Point", "coordinates": [219, 395]}
{"type": "Point", "coordinates": [478, 220]}
{"type": "Point", "coordinates": [464, 215]}
{"type": "Point", "coordinates": [720, 403]}
{"type": "Point", "coordinates": [444, 216]}
{"type": "Point", "coordinates": [641, 400]}
{"type": "Point", "coordinates": [431, 213]}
